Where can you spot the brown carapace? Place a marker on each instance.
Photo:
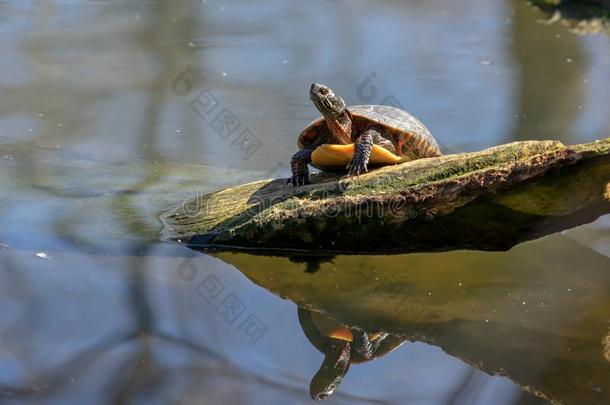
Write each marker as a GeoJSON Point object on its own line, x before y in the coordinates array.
{"type": "Point", "coordinates": [411, 139]}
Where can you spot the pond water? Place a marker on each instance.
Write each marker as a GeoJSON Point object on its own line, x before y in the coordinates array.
{"type": "Point", "coordinates": [102, 127]}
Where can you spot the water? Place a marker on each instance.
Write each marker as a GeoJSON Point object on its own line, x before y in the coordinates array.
{"type": "Point", "coordinates": [99, 135]}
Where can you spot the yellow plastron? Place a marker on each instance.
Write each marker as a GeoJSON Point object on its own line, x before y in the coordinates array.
{"type": "Point", "coordinates": [338, 156]}
{"type": "Point", "coordinates": [329, 328]}
{"type": "Point", "coordinates": [333, 329]}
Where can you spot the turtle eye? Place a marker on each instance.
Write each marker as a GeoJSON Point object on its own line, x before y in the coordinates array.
{"type": "Point", "coordinates": [323, 91]}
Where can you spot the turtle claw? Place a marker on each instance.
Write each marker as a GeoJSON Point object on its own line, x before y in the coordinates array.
{"type": "Point", "coordinates": [356, 168]}
{"type": "Point", "coordinates": [298, 180]}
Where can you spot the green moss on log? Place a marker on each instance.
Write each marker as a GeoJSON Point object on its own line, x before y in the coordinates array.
{"type": "Point", "coordinates": [487, 200]}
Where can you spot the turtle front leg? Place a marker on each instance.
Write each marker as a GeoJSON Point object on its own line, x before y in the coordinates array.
{"type": "Point", "coordinates": [363, 344]}
{"type": "Point", "coordinates": [362, 152]}
{"type": "Point", "coordinates": [298, 165]}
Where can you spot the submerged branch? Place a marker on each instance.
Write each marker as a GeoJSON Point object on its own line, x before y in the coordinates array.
{"type": "Point", "coordinates": [488, 200]}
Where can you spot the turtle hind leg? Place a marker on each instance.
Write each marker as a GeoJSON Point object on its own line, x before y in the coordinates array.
{"type": "Point", "coordinates": [385, 144]}
{"type": "Point", "coordinates": [298, 166]}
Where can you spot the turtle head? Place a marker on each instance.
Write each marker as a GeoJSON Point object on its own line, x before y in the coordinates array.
{"type": "Point", "coordinates": [326, 101]}
{"type": "Point", "coordinates": [333, 369]}
{"type": "Point", "coordinates": [323, 385]}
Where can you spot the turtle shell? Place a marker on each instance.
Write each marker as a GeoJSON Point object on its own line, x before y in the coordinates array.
{"type": "Point", "coordinates": [411, 138]}
{"type": "Point", "coordinates": [320, 342]}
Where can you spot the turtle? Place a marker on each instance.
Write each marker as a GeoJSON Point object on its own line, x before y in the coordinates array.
{"type": "Point", "coordinates": [356, 136]}
{"type": "Point", "coordinates": [341, 346]}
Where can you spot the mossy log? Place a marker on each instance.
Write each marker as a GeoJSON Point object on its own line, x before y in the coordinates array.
{"type": "Point", "coordinates": [488, 200]}
{"type": "Point", "coordinates": [538, 314]}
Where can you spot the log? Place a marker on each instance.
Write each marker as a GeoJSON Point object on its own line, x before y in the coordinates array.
{"type": "Point", "coordinates": [538, 314]}
{"type": "Point", "coordinates": [591, 5]}
{"type": "Point", "coordinates": [581, 16]}
{"type": "Point", "coordinates": [487, 200]}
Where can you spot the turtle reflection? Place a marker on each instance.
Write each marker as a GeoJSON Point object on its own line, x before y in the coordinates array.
{"type": "Point", "coordinates": [341, 346]}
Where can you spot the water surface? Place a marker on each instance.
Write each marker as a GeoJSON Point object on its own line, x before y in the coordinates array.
{"type": "Point", "coordinates": [99, 134]}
